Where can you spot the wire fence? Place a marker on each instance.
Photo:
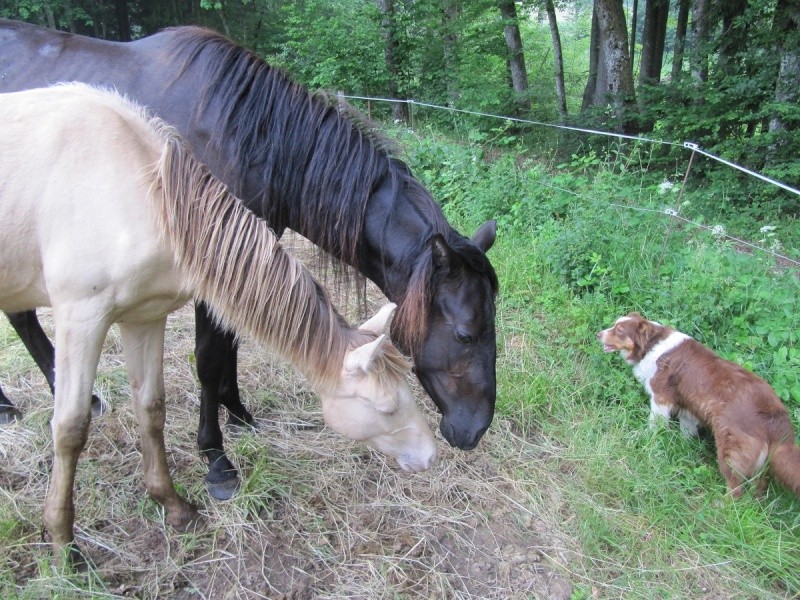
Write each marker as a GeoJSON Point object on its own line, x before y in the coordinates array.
{"type": "Point", "coordinates": [693, 148]}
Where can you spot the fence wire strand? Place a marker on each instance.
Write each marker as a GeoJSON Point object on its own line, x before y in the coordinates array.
{"type": "Point", "coordinates": [688, 145]}
{"type": "Point", "coordinates": [671, 213]}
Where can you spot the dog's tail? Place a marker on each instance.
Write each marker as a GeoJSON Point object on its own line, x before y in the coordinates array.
{"type": "Point", "coordinates": [785, 465]}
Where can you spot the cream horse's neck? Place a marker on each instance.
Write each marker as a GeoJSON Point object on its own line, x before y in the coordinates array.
{"type": "Point", "coordinates": [234, 262]}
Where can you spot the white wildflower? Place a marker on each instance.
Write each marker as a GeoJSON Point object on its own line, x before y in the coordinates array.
{"type": "Point", "coordinates": [768, 228]}
{"type": "Point", "coordinates": [718, 230]}
{"type": "Point", "coordinates": [665, 186]}
{"type": "Point", "coordinates": [671, 212]}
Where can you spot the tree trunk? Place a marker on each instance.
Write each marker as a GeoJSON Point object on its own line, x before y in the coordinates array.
{"type": "Point", "coordinates": [734, 35]}
{"type": "Point", "coordinates": [699, 56]}
{"type": "Point", "coordinates": [224, 19]}
{"type": "Point", "coordinates": [661, 36]}
{"type": "Point", "coordinates": [680, 39]}
{"type": "Point", "coordinates": [450, 32]}
{"type": "Point", "coordinates": [100, 26]}
{"type": "Point", "coordinates": [516, 57]}
{"type": "Point", "coordinates": [558, 61]}
{"type": "Point", "coordinates": [390, 54]}
{"type": "Point", "coordinates": [653, 36]}
{"type": "Point", "coordinates": [787, 85]}
{"type": "Point", "coordinates": [123, 21]}
{"type": "Point", "coordinates": [634, 23]}
{"type": "Point", "coordinates": [70, 16]}
{"type": "Point", "coordinates": [614, 84]}
{"type": "Point", "coordinates": [594, 60]}
{"type": "Point", "coordinates": [51, 21]}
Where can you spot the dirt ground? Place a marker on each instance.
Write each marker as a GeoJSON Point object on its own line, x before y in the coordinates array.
{"type": "Point", "coordinates": [317, 517]}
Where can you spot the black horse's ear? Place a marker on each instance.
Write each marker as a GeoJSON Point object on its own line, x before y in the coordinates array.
{"type": "Point", "coordinates": [485, 236]}
{"type": "Point", "coordinates": [442, 254]}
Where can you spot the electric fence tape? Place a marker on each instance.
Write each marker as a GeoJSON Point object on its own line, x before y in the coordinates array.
{"type": "Point", "coordinates": [667, 212]}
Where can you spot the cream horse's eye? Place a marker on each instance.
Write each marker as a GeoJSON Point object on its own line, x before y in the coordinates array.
{"type": "Point", "coordinates": [387, 410]}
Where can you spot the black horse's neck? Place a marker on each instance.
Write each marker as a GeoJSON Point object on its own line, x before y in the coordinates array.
{"type": "Point", "coordinates": [298, 161]}
{"type": "Point", "coordinates": [400, 220]}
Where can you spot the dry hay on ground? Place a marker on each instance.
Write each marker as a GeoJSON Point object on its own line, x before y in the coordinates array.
{"type": "Point", "coordinates": [318, 516]}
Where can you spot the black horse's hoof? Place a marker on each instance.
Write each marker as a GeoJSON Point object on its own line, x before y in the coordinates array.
{"type": "Point", "coordinates": [9, 414]}
{"type": "Point", "coordinates": [98, 406]}
{"type": "Point", "coordinates": [238, 425]}
{"type": "Point", "coordinates": [223, 490]}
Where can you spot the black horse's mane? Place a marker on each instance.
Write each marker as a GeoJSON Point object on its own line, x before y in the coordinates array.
{"type": "Point", "coordinates": [309, 163]}
{"type": "Point", "coordinates": [302, 158]}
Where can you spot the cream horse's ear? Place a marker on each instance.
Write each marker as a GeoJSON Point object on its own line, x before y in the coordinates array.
{"type": "Point", "coordinates": [362, 357]}
{"type": "Point", "coordinates": [380, 322]}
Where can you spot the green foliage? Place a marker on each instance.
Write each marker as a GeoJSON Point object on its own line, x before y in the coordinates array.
{"type": "Point", "coordinates": [62, 13]}
{"type": "Point", "coordinates": [714, 116]}
{"type": "Point", "coordinates": [333, 47]}
{"type": "Point", "coordinates": [484, 180]}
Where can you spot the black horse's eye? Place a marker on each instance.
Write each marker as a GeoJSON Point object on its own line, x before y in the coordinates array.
{"type": "Point", "coordinates": [464, 338]}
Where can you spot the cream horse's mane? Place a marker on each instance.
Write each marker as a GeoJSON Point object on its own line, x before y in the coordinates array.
{"type": "Point", "coordinates": [233, 261]}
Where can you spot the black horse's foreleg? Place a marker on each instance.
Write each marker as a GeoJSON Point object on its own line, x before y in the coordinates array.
{"type": "Point", "coordinates": [216, 353]}
{"type": "Point", "coordinates": [30, 331]}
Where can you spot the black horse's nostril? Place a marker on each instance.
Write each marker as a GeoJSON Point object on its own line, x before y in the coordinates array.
{"type": "Point", "coordinates": [469, 446]}
{"type": "Point", "coordinates": [459, 438]}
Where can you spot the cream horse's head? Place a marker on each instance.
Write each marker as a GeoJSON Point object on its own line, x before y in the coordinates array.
{"type": "Point", "coordinates": [372, 402]}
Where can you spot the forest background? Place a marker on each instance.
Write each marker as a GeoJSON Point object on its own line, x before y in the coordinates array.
{"type": "Point", "coordinates": [567, 122]}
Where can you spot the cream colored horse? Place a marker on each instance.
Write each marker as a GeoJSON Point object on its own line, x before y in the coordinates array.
{"type": "Point", "coordinates": [106, 217]}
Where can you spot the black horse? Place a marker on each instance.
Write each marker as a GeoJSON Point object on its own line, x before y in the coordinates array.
{"type": "Point", "coordinates": [298, 161]}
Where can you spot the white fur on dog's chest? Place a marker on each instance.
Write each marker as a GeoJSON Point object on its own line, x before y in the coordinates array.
{"type": "Point", "coordinates": [646, 369]}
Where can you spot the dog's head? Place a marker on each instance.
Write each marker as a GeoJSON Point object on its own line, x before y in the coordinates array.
{"type": "Point", "coordinates": [632, 336]}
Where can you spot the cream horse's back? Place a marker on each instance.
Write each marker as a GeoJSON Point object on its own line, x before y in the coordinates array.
{"type": "Point", "coordinates": [106, 217]}
{"type": "Point", "coordinates": [68, 243]}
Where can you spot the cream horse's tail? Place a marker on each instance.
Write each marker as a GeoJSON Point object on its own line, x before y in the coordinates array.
{"type": "Point", "coordinates": [233, 262]}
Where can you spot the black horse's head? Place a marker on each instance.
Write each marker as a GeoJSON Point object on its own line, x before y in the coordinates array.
{"type": "Point", "coordinates": [447, 320]}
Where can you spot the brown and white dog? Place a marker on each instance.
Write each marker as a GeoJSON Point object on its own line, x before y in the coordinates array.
{"type": "Point", "coordinates": [686, 380]}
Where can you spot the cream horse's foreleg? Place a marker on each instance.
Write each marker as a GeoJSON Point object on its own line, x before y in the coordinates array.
{"type": "Point", "coordinates": [79, 339]}
{"type": "Point", "coordinates": [144, 356]}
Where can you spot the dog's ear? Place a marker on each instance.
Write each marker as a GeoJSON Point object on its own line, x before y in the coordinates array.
{"type": "Point", "coordinates": [644, 327]}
